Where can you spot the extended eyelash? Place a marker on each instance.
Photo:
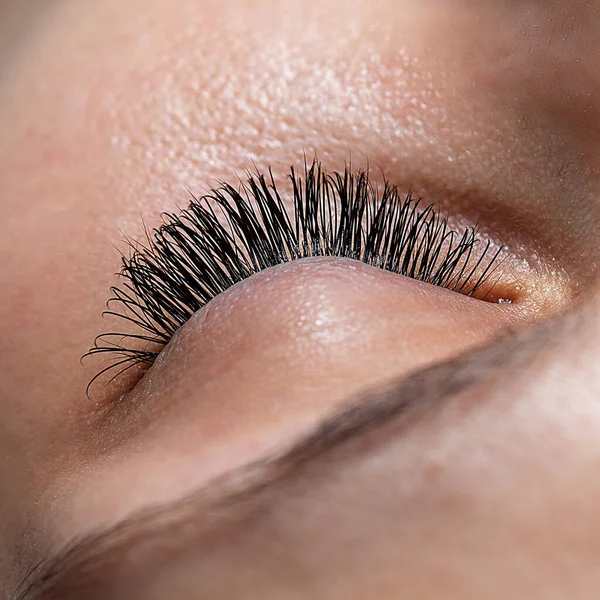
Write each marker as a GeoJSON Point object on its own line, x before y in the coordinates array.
{"type": "Point", "coordinates": [194, 256]}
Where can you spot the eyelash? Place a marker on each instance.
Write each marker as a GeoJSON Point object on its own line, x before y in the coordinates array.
{"type": "Point", "coordinates": [192, 257]}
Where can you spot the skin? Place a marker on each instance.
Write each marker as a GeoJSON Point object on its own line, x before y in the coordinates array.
{"type": "Point", "coordinates": [110, 110]}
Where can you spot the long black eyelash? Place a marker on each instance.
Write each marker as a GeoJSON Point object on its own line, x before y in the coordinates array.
{"type": "Point", "coordinates": [229, 234]}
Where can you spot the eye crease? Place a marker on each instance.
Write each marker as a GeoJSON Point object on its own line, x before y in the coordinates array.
{"type": "Point", "coordinates": [229, 234]}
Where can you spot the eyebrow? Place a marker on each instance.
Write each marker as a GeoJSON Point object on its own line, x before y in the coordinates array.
{"type": "Point", "coordinates": [86, 562]}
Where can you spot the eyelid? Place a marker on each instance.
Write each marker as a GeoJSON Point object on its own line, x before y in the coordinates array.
{"type": "Point", "coordinates": [230, 234]}
{"type": "Point", "coordinates": [394, 409]}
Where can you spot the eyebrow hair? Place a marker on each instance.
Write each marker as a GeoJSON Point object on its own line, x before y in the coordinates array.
{"type": "Point", "coordinates": [82, 564]}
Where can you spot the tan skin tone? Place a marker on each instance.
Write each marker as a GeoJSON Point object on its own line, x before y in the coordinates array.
{"type": "Point", "coordinates": [109, 110]}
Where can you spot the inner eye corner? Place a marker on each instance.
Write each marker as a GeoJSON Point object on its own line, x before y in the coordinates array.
{"type": "Point", "coordinates": [502, 291]}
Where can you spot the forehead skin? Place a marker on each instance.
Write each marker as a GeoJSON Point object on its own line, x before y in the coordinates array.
{"type": "Point", "coordinates": [108, 110]}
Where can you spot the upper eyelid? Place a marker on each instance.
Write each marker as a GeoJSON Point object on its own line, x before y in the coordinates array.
{"type": "Point", "coordinates": [229, 234]}
{"type": "Point", "coordinates": [403, 404]}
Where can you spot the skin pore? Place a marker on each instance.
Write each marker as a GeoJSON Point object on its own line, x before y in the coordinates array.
{"type": "Point", "coordinates": [480, 482]}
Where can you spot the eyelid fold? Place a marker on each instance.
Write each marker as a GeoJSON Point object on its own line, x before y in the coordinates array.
{"type": "Point", "coordinates": [260, 364]}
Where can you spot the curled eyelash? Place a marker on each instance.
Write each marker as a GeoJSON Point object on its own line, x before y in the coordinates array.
{"type": "Point", "coordinates": [229, 234]}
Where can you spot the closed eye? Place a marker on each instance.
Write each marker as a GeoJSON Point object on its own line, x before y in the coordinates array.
{"type": "Point", "coordinates": [230, 234]}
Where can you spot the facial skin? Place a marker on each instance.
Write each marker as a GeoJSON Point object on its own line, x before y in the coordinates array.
{"type": "Point", "coordinates": [483, 484]}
